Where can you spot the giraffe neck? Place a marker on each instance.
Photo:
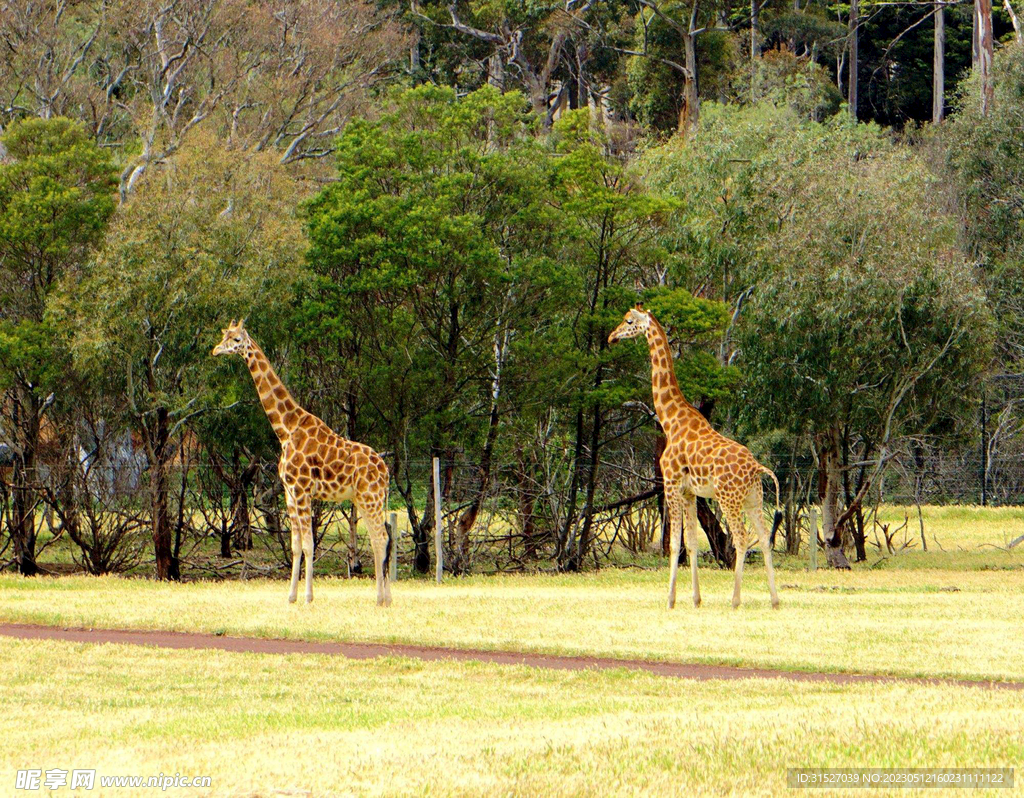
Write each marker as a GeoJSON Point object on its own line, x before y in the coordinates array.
{"type": "Point", "coordinates": [282, 410]}
{"type": "Point", "coordinates": [669, 403]}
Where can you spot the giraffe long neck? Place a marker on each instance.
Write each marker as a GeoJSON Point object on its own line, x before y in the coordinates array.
{"type": "Point", "coordinates": [669, 402]}
{"type": "Point", "coordinates": [282, 410]}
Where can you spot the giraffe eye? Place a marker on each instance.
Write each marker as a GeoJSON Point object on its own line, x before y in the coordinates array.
{"type": "Point", "coordinates": [629, 321]}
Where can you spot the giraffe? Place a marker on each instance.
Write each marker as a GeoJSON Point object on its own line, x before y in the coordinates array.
{"type": "Point", "coordinates": [698, 461]}
{"type": "Point", "coordinates": [316, 463]}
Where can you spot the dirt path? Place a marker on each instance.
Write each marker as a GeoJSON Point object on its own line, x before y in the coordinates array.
{"type": "Point", "coordinates": [679, 670]}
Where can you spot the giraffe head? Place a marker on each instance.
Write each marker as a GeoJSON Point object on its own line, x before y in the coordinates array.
{"type": "Point", "coordinates": [235, 340]}
{"type": "Point", "coordinates": [634, 323]}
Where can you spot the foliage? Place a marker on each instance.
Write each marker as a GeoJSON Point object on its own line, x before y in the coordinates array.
{"type": "Point", "coordinates": [985, 165]}
{"type": "Point", "coordinates": [56, 196]}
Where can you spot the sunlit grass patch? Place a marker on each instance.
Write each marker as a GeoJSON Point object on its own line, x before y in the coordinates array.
{"type": "Point", "coordinates": [914, 623]}
{"type": "Point", "coordinates": [259, 723]}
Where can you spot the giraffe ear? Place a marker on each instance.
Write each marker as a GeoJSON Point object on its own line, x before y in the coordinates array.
{"type": "Point", "coordinates": [639, 305]}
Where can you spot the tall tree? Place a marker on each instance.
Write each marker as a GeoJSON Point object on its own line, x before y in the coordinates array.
{"type": "Point", "coordinates": [854, 66]}
{"type": "Point", "coordinates": [939, 65]}
{"type": "Point", "coordinates": [55, 201]}
{"type": "Point", "coordinates": [211, 234]}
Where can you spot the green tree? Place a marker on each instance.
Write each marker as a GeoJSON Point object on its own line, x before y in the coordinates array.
{"type": "Point", "coordinates": [869, 327]}
{"type": "Point", "coordinates": [56, 196]}
{"type": "Point", "coordinates": [422, 252]}
{"type": "Point", "coordinates": [984, 160]}
{"type": "Point", "coordinates": [211, 234]}
{"type": "Point", "coordinates": [612, 227]}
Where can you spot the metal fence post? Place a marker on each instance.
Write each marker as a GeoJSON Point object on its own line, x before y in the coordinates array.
{"type": "Point", "coordinates": [395, 536]}
{"type": "Point", "coordinates": [438, 537]}
{"type": "Point", "coordinates": [812, 540]}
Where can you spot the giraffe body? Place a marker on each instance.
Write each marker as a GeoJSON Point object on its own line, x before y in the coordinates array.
{"type": "Point", "coordinates": [699, 461]}
{"type": "Point", "coordinates": [316, 463]}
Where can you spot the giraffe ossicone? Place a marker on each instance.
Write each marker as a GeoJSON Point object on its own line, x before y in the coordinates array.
{"type": "Point", "coordinates": [316, 463]}
{"type": "Point", "coordinates": [699, 461]}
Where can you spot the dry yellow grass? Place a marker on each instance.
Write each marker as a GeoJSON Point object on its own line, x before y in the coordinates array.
{"type": "Point", "coordinates": [257, 724]}
{"type": "Point", "coordinates": [931, 622]}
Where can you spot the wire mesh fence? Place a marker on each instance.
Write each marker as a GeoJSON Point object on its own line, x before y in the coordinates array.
{"type": "Point", "coordinates": [512, 514]}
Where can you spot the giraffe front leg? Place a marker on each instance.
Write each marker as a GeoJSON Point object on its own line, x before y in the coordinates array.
{"type": "Point", "coordinates": [307, 553]}
{"type": "Point", "coordinates": [675, 513]}
{"type": "Point", "coordinates": [296, 526]}
{"type": "Point", "coordinates": [690, 530]}
{"type": "Point", "coordinates": [304, 525]}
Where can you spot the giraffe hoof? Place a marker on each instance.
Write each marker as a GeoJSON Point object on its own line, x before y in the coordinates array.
{"type": "Point", "coordinates": [309, 599]}
{"type": "Point", "coordinates": [696, 601]}
{"type": "Point", "coordinates": [291, 599]}
{"type": "Point", "coordinates": [775, 604]}
{"type": "Point", "coordinates": [735, 603]}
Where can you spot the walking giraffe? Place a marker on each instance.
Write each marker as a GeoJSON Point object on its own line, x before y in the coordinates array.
{"type": "Point", "coordinates": [316, 463]}
{"type": "Point", "coordinates": [698, 461]}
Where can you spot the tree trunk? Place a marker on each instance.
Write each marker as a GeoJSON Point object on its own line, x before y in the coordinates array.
{"type": "Point", "coordinates": [355, 565]}
{"type": "Point", "coordinates": [690, 114]}
{"type": "Point", "coordinates": [565, 537]}
{"type": "Point", "coordinates": [1018, 33]}
{"type": "Point", "coordinates": [939, 66]}
{"type": "Point", "coordinates": [829, 485]}
{"type": "Point", "coordinates": [755, 44]}
{"type": "Point", "coordinates": [983, 25]}
{"type": "Point", "coordinates": [26, 422]}
{"type": "Point", "coordinates": [660, 443]}
{"type": "Point", "coordinates": [241, 520]}
{"type": "Point", "coordinates": [722, 548]}
{"type": "Point", "coordinates": [586, 533]}
{"type": "Point", "coordinates": [166, 562]}
{"type": "Point", "coordinates": [851, 97]}
{"type": "Point", "coordinates": [225, 539]}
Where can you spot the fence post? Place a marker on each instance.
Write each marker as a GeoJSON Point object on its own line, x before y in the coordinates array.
{"type": "Point", "coordinates": [393, 570]}
{"type": "Point", "coordinates": [438, 537]}
{"type": "Point", "coordinates": [812, 540]}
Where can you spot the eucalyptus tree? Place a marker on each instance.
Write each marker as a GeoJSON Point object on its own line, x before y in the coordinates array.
{"type": "Point", "coordinates": [211, 234]}
{"type": "Point", "coordinates": [56, 197]}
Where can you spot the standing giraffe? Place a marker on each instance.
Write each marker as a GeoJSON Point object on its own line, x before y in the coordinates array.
{"type": "Point", "coordinates": [316, 463]}
{"type": "Point", "coordinates": [698, 461]}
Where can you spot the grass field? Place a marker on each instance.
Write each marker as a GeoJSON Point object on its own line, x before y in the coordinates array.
{"type": "Point", "coordinates": [258, 724]}
{"type": "Point", "coordinates": [928, 622]}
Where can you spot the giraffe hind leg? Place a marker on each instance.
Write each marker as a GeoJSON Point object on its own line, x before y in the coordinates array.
{"type": "Point", "coordinates": [755, 513]}
{"type": "Point", "coordinates": [739, 538]}
{"type": "Point", "coordinates": [690, 530]}
{"type": "Point", "coordinates": [380, 540]}
{"type": "Point", "coordinates": [303, 507]}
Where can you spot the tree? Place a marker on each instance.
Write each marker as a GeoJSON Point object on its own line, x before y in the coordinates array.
{"type": "Point", "coordinates": [422, 250]}
{"type": "Point", "coordinates": [528, 40]}
{"type": "Point", "coordinates": [612, 227]}
{"type": "Point", "coordinates": [869, 321]}
{"type": "Point", "coordinates": [211, 234]}
{"type": "Point", "coordinates": [55, 201]}
{"type": "Point", "coordinates": [984, 166]}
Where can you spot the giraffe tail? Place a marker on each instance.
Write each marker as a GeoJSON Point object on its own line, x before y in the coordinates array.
{"type": "Point", "coordinates": [778, 506]}
{"type": "Point", "coordinates": [387, 550]}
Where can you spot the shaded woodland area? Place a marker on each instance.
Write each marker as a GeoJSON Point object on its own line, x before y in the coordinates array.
{"type": "Point", "coordinates": [431, 215]}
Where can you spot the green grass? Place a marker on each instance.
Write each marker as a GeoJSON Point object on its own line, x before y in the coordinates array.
{"type": "Point", "coordinates": [259, 724]}
{"type": "Point", "coordinates": [909, 623]}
